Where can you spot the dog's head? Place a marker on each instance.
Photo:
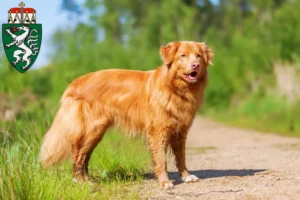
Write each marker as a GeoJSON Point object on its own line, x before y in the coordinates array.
{"type": "Point", "coordinates": [188, 60]}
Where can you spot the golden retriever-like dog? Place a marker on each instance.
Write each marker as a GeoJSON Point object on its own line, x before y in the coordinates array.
{"type": "Point", "coordinates": [160, 104]}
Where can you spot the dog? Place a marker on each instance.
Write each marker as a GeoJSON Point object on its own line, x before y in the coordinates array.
{"type": "Point", "coordinates": [159, 104]}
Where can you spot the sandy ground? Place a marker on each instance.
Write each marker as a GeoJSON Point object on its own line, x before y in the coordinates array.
{"type": "Point", "coordinates": [234, 163]}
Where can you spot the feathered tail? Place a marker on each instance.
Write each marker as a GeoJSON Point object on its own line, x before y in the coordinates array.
{"type": "Point", "coordinates": [67, 125]}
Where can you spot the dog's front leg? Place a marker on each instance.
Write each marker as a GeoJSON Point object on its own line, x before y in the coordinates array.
{"type": "Point", "coordinates": [158, 143]}
{"type": "Point", "coordinates": [177, 142]}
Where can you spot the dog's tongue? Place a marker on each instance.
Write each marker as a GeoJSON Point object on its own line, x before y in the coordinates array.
{"type": "Point", "coordinates": [191, 76]}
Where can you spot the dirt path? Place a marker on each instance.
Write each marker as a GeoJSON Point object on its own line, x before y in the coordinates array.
{"type": "Point", "coordinates": [234, 164]}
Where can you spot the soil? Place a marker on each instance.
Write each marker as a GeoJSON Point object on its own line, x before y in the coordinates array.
{"type": "Point", "coordinates": [233, 163]}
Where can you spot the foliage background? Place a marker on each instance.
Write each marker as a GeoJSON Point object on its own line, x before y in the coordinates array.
{"type": "Point", "coordinates": [254, 82]}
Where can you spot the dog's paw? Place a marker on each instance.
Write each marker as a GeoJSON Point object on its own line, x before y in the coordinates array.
{"type": "Point", "coordinates": [190, 179]}
{"type": "Point", "coordinates": [75, 180]}
{"type": "Point", "coordinates": [166, 185]}
{"type": "Point", "coordinates": [90, 183]}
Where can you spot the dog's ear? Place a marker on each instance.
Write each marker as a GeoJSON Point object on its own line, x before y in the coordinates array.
{"type": "Point", "coordinates": [168, 52]}
{"type": "Point", "coordinates": [208, 53]}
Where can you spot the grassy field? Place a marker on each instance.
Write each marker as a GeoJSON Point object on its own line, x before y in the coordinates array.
{"type": "Point", "coordinates": [116, 164]}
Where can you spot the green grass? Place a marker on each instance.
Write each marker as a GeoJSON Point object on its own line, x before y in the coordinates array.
{"type": "Point", "coordinates": [267, 114]}
{"type": "Point", "coordinates": [116, 164]}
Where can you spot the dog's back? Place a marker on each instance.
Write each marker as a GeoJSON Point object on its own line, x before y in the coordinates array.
{"type": "Point", "coordinates": [119, 95]}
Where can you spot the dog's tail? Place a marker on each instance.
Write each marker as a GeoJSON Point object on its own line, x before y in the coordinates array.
{"type": "Point", "coordinates": [66, 127]}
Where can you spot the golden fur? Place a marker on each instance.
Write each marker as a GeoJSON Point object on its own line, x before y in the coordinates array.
{"type": "Point", "coordinates": [159, 104]}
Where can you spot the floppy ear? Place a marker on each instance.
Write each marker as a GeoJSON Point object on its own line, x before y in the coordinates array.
{"type": "Point", "coordinates": [167, 52]}
{"type": "Point", "coordinates": [208, 54]}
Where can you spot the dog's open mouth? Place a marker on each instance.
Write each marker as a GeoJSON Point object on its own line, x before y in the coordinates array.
{"type": "Point", "coordinates": [191, 77]}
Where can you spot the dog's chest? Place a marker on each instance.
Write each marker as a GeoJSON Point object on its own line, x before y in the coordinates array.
{"type": "Point", "coordinates": [180, 112]}
{"type": "Point", "coordinates": [177, 125]}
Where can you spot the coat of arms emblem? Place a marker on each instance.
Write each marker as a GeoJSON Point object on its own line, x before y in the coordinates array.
{"type": "Point", "coordinates": [22, 37]}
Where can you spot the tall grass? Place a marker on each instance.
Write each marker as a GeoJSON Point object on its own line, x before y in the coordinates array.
{"type": "Point", "coordinates": [116, 163]}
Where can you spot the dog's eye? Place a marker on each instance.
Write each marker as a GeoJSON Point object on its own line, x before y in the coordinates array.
{"type": "Point", "coordinates": [198, 55]}
{"type": "Point", "coordinates": [182, 56]}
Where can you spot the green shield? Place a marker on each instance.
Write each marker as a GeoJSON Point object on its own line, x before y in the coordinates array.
{"type": "Point", "coordinates": [22, 44]}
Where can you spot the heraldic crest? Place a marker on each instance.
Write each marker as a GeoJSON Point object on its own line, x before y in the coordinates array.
{"type": "Point", "coordinates": [22, 37]}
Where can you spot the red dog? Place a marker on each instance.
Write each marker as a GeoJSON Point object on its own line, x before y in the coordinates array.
{"type": "Point", "coordinates": [161, 104]}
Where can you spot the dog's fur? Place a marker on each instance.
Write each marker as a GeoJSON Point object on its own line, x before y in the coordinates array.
{"type": "Point", "coordinates": [160, 104]}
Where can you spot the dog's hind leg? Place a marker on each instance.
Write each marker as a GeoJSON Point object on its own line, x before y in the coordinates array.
{"type": "Point", "coordinates": [90, 144]}
{"type": "Point", "coordinates": [85, 147]}
{"type": "Point", "coordinates": [77, 167]}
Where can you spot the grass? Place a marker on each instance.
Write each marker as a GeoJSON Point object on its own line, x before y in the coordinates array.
{"type": "Point", "coordinates": [116, 164]}
{"type": "Point", "coordinates": [268, 114]}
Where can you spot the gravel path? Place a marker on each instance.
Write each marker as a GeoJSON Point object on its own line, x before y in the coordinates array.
{"type": "Point", "coordinates": [234, 164]}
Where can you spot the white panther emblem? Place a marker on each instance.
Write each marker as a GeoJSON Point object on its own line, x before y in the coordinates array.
{"type": "Point", "coordinates": [19, 41]}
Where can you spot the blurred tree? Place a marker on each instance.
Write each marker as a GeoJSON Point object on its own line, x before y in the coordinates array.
{"type": "Point", "coordinates": [246, 35]}
{"type": "Point", "coordinates": [72, 7]}
{"type": "Point", "coordinates": [286, 30]}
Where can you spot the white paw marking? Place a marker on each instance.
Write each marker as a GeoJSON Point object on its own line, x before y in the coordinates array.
{"type": "Point", "coordinates": [91, 183]}
{"type": "Point", "coordinates": [190, 179]}
{"type": "Point", "coordinates": [168, 185]}
{"type": "Point", "coordinates": [75, 180]}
